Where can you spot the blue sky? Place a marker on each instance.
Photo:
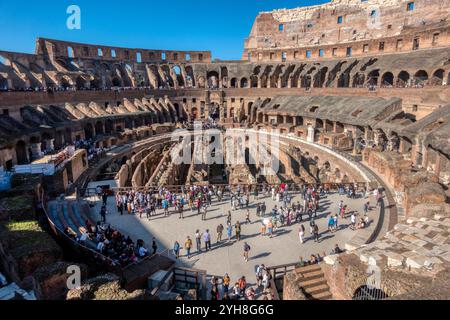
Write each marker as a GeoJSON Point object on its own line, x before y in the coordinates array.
{"type": "Point", "coordinates": [217, 25]}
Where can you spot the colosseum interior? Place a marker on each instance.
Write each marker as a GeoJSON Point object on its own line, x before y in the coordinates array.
{"type": "Point", "coordinates": [356, 92]}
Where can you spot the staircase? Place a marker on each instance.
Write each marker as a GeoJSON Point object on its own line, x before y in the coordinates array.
{"type": "Point", "coordinates": [313, 283]}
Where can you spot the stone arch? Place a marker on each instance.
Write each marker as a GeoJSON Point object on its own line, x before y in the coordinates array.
{"type": "Point", "coordinates": [373, 76]}
{"type": "Point", "coordinates": [403, 79]}
{"type": "Point", "coordinates": [213, 79]}
{"type": "Point", "coordinates": [99, 128]}
{"type": "Point", "coordinates": [234, 83]}
{"type": "Point", "coordinates": [254, 81]}
{"type": "Point", "coordinates": [80, 83]}
{"type": "Point", "coordinates": [244, 83]}
{"type": "Point", "coordinates": [116, 82]}
{"type": "Point", "coordinates": [224, 76]}
{"type": "Point", "coordinates": [190, 78]}
{"type": "Point", "coordinates": [194, 112]}
{"type": "Point", "coordinates": [421, 77]}
{"type": "Point", "coordinates": [3, 84]}
{"type": "Point", "coordinates": [438, 77]}
{"type": "Point", "coordinates": [320, 77]}
{"type": "Point", "coordinates": [88, 131]}
{"type": "Point", "coordinates": [387, 79]}
{"type": "Point", "coordinates": [358, 80]}
{"type": "Point", "coordinates": [21, 153]}
{"type": "Point", "coordinates": [177, 71]}
{"type": "Point", "coordinates": [109, 126]}
{"type": "Point", "coordinates": [65, 83]}
{"type": "Point", "coordinates": [367, 292]}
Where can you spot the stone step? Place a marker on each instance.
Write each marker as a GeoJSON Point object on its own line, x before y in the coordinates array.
{"type": "Point", "coordinates": [317, 289]}
{"type": "Point", "coordinates": [312, 275]}
{"type": "Point", "coordinates": [307, 269]}
{"type": "Point", "coordinates": [326, 295]}
{"type": "Point", "coordinates": [307, 283]}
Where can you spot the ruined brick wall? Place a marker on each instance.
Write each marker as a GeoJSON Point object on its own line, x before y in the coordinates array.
{"type": "Point", "coordinates": [333, 26]}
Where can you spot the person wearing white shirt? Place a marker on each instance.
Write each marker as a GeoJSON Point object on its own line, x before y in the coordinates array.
{"type": "Point", "coordinates": [142, 252]}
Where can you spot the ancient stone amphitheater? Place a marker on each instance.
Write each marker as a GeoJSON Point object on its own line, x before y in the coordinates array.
{"type": "Point", "coordinates": [356, 90]}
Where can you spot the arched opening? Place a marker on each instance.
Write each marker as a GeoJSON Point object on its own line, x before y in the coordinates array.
{"type": "Point", "coordinates": [244, 83]}
{"type": "Point", "coordinates": [421, 77]}
{"type": "Point", "coordinates": [254, 81]}
{"type": "Point", "coordinates": [224, 76]}
{"type": "Point", "coordinates": [438, 78]}
{"type": "Point", "coordinates": [320, 77]}
{"type": "Point", "coordinates": [99, 128]}
{"type": "Point", "coordinates": [358, 80]}
{"type": "Point", "coordinates": [21, 153]}
{"type": "Point", "coordinates": [372, 78]}
{"type": "Point", "coordinates": [80, 83]}
{"type": "Point", "coordinates": [387, 80]}
{"type": "Point", "coordinates": [179, 75]}
{"type": "Point", "coordinates": [116, 82]}
{"type": "Point", "coordinates": [190, 79]}
{"type": "Point", "coordinates": [88, 131]}
{"type": "Point", "coordinates": [213, 79]}
{"type": "Point", "coordinates": [64, 83]}
{"type": "Point", "coordinates": [233, 83]}
{"type": "Point", "coordinates": [3, 84]}
{"type": "Point", "coordinates": [403, 79]}
{"type": "Point", "coordinates": [194, 112]}
{"type": "Point", "coordinates": [109, 126]}
{"type": "Point", "coordinates": [368, 292]}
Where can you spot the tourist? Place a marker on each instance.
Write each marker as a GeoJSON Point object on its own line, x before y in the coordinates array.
{"type": "Point", "coordinates": [366, 207]}
{"type": "Point", "coordinates": [301, 233]}
{"type": "Point", "coordinates": [263, 229]}
{"type": "Point", "coordinates": [270, 228]}
{"type": "Point", "coordinates": [226, 283]}
{"type": "Point", "coordinates": [207, 240]}
{"type": "Point", "coordinates": [330, 224]}
{"type": "Point", "coordinates": [237, 228]}
{"type": "Point", "coordinates": [142, 251]}
{"type": "Point", "coordinates": [103, 213]}
{"type": "Point", "coordinates": [246, 251]}
{"type": "Point", "coordinates": [250, 294]}
{"type": "Point", "coordinates": [176, 249]}
{"type": "Point", "coordinates": [236, 291]}
{"type": "Point", "coordinates": [353, 221]}
{"type": "Point", "coordinates": [188, 246]}
{"type": "Point", "coordinates": [226, 296]}
{"type": "Point", "coordinates": [154, 245]}
{"type": "Point", "coordinates": [219, 232]}
{"type": "Point", "coordinates": [105, 198]}
{"type": "Point", "coordinates": [263, 209]}
{"type": "Point", "coordinates": [214, 293]}
{"type": "Point", "coordinates": [259, 274]}
{"type": "Point", "coordinates": [266, 280]}
{"type": "Point", "coordinates": [316, 233]}
{"type": "Point", "coordinates": [204, 211]}
{"type": "Point", "coordinates": [247, 216]}
{"type": "Point", "coordinates": [198, 240]}
{"type": "Point", "coordinates": [242, 286]}
{"type": "Point", "coordinates": [229, 231]}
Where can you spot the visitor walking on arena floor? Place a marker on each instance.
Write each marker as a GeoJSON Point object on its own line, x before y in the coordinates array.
{"type": "Point", "coordinates": [301, 234]}
{"type": "Point", "coordinates": [219, 232]}
{"type": "Point", "coordinates": [198, 240]}
{"type": "Point", "coordinates": [176, 249]}
{"type": "Point", "coordinates": [188, 246]}
{"type": "Point", "coordinates": [229, 231]}
{"type": "Point", "coordinates": [246, 251]}
{"type": "Point", "coordinates": [154, 245]}
{"type": "Point", "coordinates": [207, 239]}
{"type": "Point", "coordinates": [237, 228]}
